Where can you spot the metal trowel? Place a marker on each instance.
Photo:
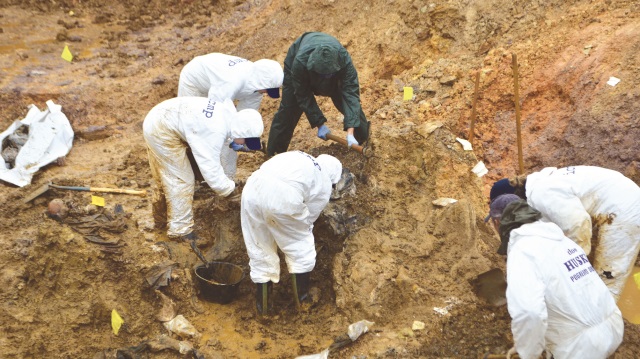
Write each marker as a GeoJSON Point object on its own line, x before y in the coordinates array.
{"type": "Point", "coordinates": [491, 286]}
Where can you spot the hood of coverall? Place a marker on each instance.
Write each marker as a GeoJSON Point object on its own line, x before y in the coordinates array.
{"type": "Point", "coordinates": [534, 179]}
{"type": "Point", "coordinates": [247, 123]}
{"type": "Point", "coordinates": [325, 60]}
{"type": "Point", "coordinates": [515, 214]}
{"type": "Point", "coordinates": [267, 74]}
{"type": "Point", "coordinates": [331, 166]}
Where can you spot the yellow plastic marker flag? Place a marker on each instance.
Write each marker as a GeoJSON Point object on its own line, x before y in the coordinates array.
{"type": "Point", "coordinates": [408, 93]}
{"type": "Point", "coordinates": [116, 321]}
{"type": "Point", "coordinates": [66, 54]}
{"type": "Point", "coordinates": [97, 200]}
{"type": "Point", "coordinates": [636, 278]}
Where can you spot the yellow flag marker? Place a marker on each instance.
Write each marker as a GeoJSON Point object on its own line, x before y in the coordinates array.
{"type": "Point", "coordinates": [97, 200]}
{"type": "Point", "coordinates": [66, 54]}
{"type": "Point", "coordinates": [116, 321]}
{"type": "Point", "coordinates": [408, 93]}
{"type": "Point", "coordinates": [636, 278]}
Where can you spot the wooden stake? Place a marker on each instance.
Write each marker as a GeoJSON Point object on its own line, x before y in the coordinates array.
{"type": "Point", "coordinates": [517, 101]}
{"type": "Point", "coordinates": [473, 107]}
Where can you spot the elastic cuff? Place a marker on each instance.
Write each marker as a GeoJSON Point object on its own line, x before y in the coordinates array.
{"type": "Point", "coordinates": [228, 191]}
{"type": "Point", "coordinates": [321, 122]}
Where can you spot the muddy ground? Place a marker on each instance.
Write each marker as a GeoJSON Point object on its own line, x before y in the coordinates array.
{"type": "Point", "coordinates": [387, 254]}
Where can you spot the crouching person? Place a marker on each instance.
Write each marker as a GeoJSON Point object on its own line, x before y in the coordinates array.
{"type": "Point", "coordinates": [203, 125]}
{"type": "Point", "coordinates": [556, 299]}
{"type": "Point", "coordinates": [280, 203]}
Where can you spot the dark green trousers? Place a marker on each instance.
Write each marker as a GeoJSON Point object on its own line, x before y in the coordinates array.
{"type": "Point", "coordinates": [286, 119]}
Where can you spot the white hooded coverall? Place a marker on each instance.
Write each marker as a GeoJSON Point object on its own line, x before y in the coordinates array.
{"type": "Point", "coordinates": [203, 125]}
{"type": "Point", "coordinates": [575, 198]}
{"type": "Point", "coordinates": [280, 203]}
{"type": "Point", "coordinates": [556, 299]}
{"type": "Point", "coordinates": [221, 77]}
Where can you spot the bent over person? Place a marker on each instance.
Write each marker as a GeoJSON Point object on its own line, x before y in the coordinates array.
{"type": "Point", "coordinates": [317, 65]}
{"type": "Point", "coordinates": [203, 125]}
{"type": "Point", "coordinates": [556, 300]}
{"type": "Point", "coordinates": [280, 203]}
{"type": "Point", "coordinates": [225, 77]}
{"type": "Point", "coordinates": [221, 77]}
{"type": "Point", "coordinates": [598, 208]}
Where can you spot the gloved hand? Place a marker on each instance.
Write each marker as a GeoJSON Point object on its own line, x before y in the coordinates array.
{"type": "Point", "coordinates": [235, 196]}
{"type": "Point", "coordinates": [351, 141]}
{"type": "Point", "coordinates": [323, 131]}
{"type": "Point", "coordinates": [236, 147]}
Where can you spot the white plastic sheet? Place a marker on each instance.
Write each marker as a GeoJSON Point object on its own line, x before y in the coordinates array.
{"type": "Point", "coordinates": [354, 332]}
{"type": "Point", "coordinates": [181, 326]}
{"type": "Point", "coordinates": [50, 137]}
{"type": "Point", "coordinates": [466, 145]}
{"type": "Point", "coordinates": [479, 169]}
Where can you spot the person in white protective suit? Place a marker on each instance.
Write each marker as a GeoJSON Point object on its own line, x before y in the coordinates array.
{"type": "Point", "coordinates": [280, 203]}
{"type": "Point", "coordinates": [555, 298]}
{"type": "Point", "coordinates": [220, 77]}
{"type": "Point", "coordinates": [203, 125]}
{"type": "Point", "coordinates": [586, 202]}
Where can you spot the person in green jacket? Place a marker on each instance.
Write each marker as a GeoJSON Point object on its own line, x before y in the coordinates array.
{"type": "Point", "coordinates": [317, 64]}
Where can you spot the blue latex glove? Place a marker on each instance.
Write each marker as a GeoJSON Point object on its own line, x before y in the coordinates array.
{"type": "Point", "coordinates": [236, 147]}
{"type": "Point", "coordinates": [351, 141]}
{"type": "Point", "coordinates": [323, 131]}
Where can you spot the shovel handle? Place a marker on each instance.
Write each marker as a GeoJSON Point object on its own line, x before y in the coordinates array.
{"type": "Point", "coordinates": [343, 141]}
{"type": "Point", "coordinates": [102, 189]}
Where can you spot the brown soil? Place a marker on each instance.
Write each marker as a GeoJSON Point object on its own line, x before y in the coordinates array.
{"type": "Point", "coordinates": [386, 255]}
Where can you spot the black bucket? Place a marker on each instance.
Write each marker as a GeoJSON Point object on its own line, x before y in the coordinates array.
{"type": "Point", "coordinates": [219, 283]}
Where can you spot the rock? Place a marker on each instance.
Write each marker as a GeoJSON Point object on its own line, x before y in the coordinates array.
{"type": "Point", "coordinates": [426, 129]}
{"type": "Point", "coordinates": [61, 36]}
{"type": "Point", "coordinates": [417, 325]}
{"type": "Point", "coordinates": [448, 80]}
{"type": "Point", "coordinates": [168, 310]}
{"type": "Point", "coordinates": [443, 201]}
{"type": "Point", "coordinates": [74, 38]}
{"type": "Point", "coordinates": [92, 133]}
{"type": "Point", "coordinates": [159, 80]}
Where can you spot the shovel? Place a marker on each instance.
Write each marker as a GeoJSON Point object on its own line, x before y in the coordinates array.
{"type": "Point", "coordinates": [491, 286]}
{"type": "Point", "coordinates": [343, 141]}
{"type": "Point", "coordinates": [44, 188]}
{"type": "Point", "coordinates": [199, 254]}
{"type": "Point", "coordinates": [362, 149]}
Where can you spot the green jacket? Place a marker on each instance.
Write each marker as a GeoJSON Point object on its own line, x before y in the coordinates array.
{"type": "Point", "coordinates": [306, 83]}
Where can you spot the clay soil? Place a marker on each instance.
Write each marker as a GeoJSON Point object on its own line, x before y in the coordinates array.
{"type": "Point", "coordinates": [386, 254]}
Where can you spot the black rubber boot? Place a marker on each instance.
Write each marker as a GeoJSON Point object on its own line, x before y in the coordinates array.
{"type": "Point", "coordinates": [264, 298]}
{"type": "Point", "coordinates": [301, 288]}
{"type": "Point", "coordinates": [190, 237]}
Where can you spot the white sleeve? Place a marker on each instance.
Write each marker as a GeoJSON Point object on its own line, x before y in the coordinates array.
{"type": "Point", "coordinates": [221, 91]}
{"type": "Point", "coordinates": [316, 205]}
{"type": "Point", "coordinates": [557, 203]}
{"type": "Point", "coordinates": [250, 102]}
{"type": "Point", "coordinates": [225, 85]}
{"type": "Point", "coordinates": [206, 145]}
{"type": "Point", "coordinates": [526, 304]}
